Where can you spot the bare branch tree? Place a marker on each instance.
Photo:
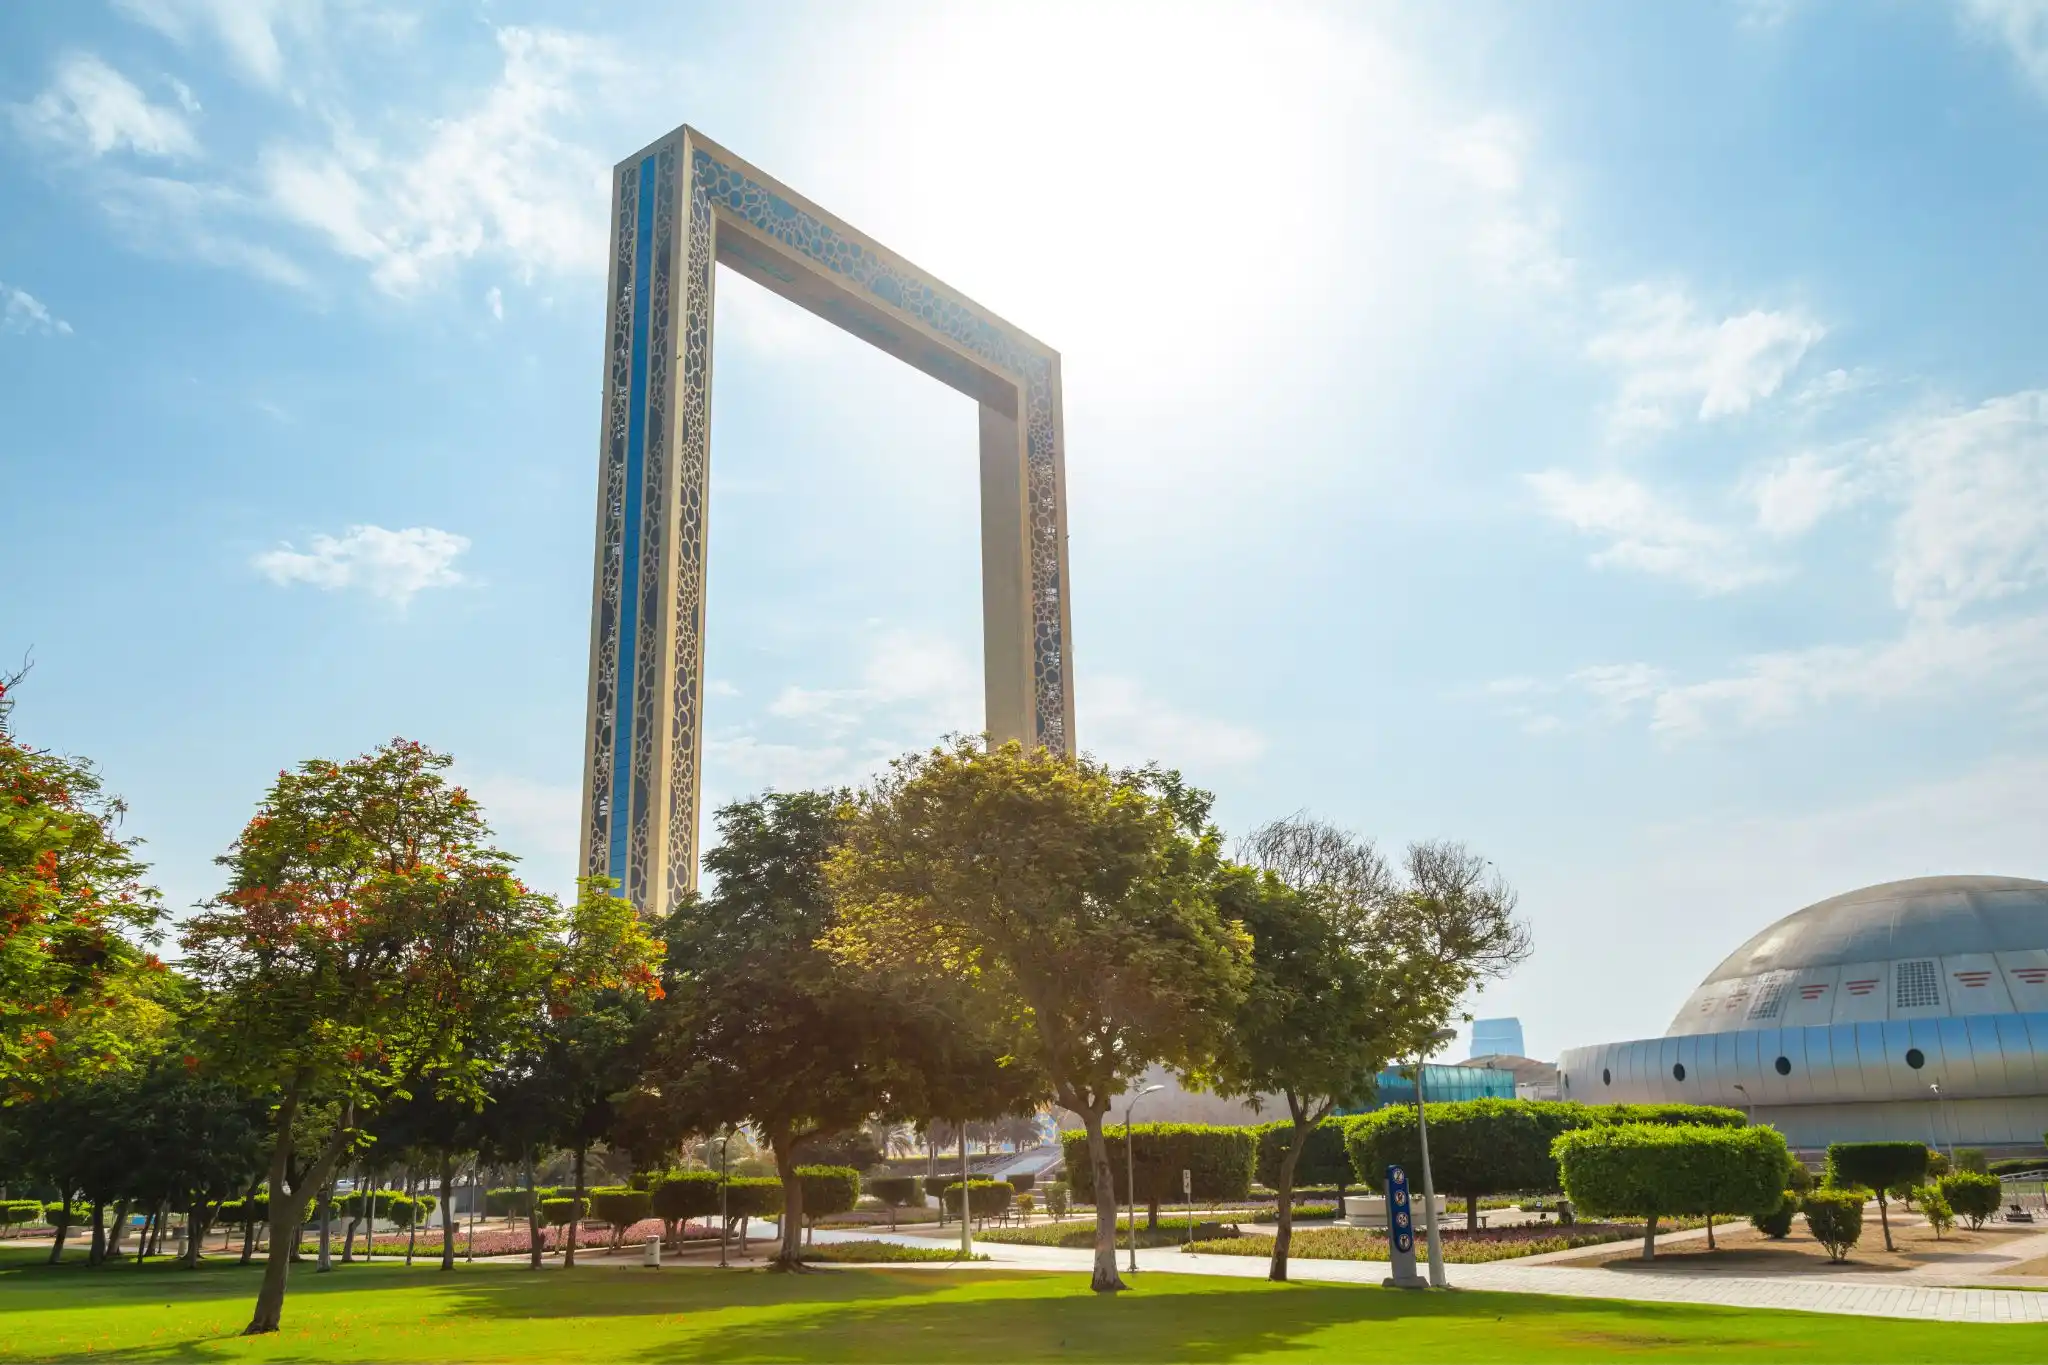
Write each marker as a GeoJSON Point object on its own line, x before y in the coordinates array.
{"type": "Point", "coordinates": [1465, 909]}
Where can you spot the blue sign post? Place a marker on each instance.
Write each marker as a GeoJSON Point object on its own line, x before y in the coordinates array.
{"type": "Point", "coordinates": [1401, 1233]}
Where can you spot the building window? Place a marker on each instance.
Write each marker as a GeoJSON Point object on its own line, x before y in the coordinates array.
{"type": "Point", "coordinates": [1918, 986]}
{"type": "Point", "coordinates": [1606, 1076]}
{"type": "Point", "coordinates": [1915, 1058]}
{"type": "Point", "coordinates": [1678, 1071]}
{"type": "Point", "coordinates": [1784, 1066]}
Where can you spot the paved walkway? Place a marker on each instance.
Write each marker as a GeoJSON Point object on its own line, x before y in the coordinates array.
{"type": "Point", "coordinates": [1896, 1295]}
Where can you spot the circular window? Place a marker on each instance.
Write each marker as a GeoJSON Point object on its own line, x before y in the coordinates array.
{"type": "Point", "coordinates": [1915, 1058]}
{"type": "Point", "coordinates": [1678, 1072]}
{"type": "Point", "coordinates": [1606, 1076]}
{"type": "Point", "coordinates": [1784, 1065]}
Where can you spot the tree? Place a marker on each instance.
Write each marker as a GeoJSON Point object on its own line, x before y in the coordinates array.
{"type": "Point", "coordinates": [1835, 1218]}
{"type": "Point", "coordinates": [827, 1190]}
{"type": "Point", "coordinates": [592, 1046]}
{"type": "Point", "coordinates": [1217, 1159]}
{"type": "Point", "coordinates": [367, 921]}
{"type": "Point", "coordinates": [985, 1198]}
{"type": "Point", "coordinates": [895, 1192]}
{"type": "Point", "coordinates": [1972, 1194]}
{"type": "Point", "coordinates": [1935, 1208]}
{"type": "Point", "coordinates": [75, 914]}
{"type": "Point", "coordinates": [1649, 1170]}
{"type": "Point", "coordinates": [1879, 1166]}
{"type": "Point", "coordinates": [1322, 1161]}
{"type": "Point", "coordinates": [1476, 1147]}
{"type": "Point", "coordinates": [621, 1208]}
{"type": "Point", "coordinates": [1349, 971]}
{"type": "Point", "coordinates": [680, 1197]}
{"type": "Point", "coordinates": [1075, 899]}
{"type": "Point", "coordinates": [763, 1027]}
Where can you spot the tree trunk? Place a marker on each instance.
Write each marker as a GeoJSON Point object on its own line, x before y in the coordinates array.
{"type": "Point", "coordinates": [117, 1228]}
{"type": "Point", "coordinates": [63, 1224]}
{"type": "Point", "coordinates": [447, 1211]}
{"type": "Point", "coordinates": [1650, 1239]}
{"type": "Point", "coordinates": [790, 1255]}
{"type": "Point", "coordinates": [324, 1211]}
{"type": "Point", "coordinates": [1885, 1222]}
{"type": "Point", "coordinates": [198, 1221]}
{"type": "Point", "coordinates": [575, 1214]}
{"type": "Point", "coordinates": [1710, 1230]}
{"type": "Point", "coordinates": [286, 1206]}
{"type": "Point", "coordinates": [1471, 1213]}
{"type": "Point", "coordinates": [1152, 1214]}
{"type": "Point", "coordinates": [1105, 1279]}
{"type": "Point", "coordinates": [533, 1261]}
{"type": "Point", "coordinates": [1283, 1232]}
{"type": "Point", "coordinates": [149, 1223]}
{"type": "Point", "coordinates": [98, 1254]}
{"type": "Point", "coordinates": [249, 1219]}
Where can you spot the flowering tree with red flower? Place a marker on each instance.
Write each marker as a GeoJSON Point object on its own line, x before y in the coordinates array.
{"type": "Point", "coordinates": [369, 940]}
{"type": "Point", "coordinates": [75, 917]}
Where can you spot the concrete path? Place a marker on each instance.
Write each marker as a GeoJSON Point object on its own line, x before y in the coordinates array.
{"type": "Point", "coordinates": [1893, 1295]}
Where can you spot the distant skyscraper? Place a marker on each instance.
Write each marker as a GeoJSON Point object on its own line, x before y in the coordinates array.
{"type": "Point", "coordinates": [1497, 1037]}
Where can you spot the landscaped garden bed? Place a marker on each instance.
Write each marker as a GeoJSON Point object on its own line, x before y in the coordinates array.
{"type": "Point", "coordinates": [881, 1253]}
{"type": "Point", "coordinates": [1460, 1247]}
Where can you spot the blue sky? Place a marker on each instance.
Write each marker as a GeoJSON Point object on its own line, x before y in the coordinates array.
{"type": "Point", "coordinates": [1614, 435]}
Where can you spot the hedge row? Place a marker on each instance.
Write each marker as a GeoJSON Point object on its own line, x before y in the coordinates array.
{"type": "Point", "coordinates": [1219, 1161]}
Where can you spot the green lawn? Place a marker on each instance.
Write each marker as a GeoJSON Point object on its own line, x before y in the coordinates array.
{"type": "Point", "coordinates": [503, 1313]}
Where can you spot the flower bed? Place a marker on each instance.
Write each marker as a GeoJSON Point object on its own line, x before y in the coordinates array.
{"type": "Point", "coordinates": [1460, 1247]}
{"type": "Point", "coordinates": [872, 1253]}
{"type": "Point", "coordinates": [1077, 1234]}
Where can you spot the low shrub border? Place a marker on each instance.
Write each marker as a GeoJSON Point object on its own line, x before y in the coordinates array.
{"type": "Point", "coordinates": [1460, 1247]}
{"type": "Point", "coordinates": [881, 1253]}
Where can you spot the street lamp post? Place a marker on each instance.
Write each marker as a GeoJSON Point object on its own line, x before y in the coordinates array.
{"type": "Point", "coordinates": [1942, 1110]}
{"type": "Point", "coordinates": [1131, 1169]}
{"type": "Point", "coordinates": [1436, 1245]}
{"type": "Point", "coordinates": [966, 1228]}
{"type": "Point", "coordinates": [724, 1222]}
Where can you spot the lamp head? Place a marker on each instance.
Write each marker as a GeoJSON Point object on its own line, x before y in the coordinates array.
{"type": "Point", "coordinates": [1149, 1090]}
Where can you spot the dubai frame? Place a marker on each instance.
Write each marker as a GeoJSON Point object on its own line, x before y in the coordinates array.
{"type": "Point", "coordinates": [680, 207]}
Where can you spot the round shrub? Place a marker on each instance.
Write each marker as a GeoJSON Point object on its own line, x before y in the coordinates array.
{"type": "Point", "coordinates": [1219, 1159]}
{"type": "Point", "coordinates": [985, 1198]}
{"type": "Point", "coordinates": [1973, 1196]}
{"type": "Point", "coordinates": [1022, 1181]}
{"type": "Point", "coordinates": [1879, 1166]}
{"type": "Point", "coordinates": [1778, 1222]}
{"type": "Point", "coordinates": [1934, 1207]}
{"type": "Point", "coordinates": [1058, 1199]}
{"type": "Point", "coordinates": [1835, 1218]}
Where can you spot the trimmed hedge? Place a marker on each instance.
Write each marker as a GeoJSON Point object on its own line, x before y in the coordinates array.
{"type": "Point", "coordinates": [827, 1190]}
{"type": "Point", "coordinates": [1476, 1147]}
{"type": "Point", "coordinates": [897, 1191]}
{"type": "Point", "coordinates": [985, 1198]}
{"type": "Point", "coordinates": [2018, 1165]}
{"type": "Point", "coordinates": [620, 1206]}
{"type": "Point", "coordinates": [1972, 1195]}
{"type": "Point", "coordinates": [676, 1199]}
{"type": "Point", "coordinates": [1879, 1166]}
{"type": "Point", "coordinates": [1022, 1181]}
{"type": "Point", "coordinates": [1647, 1170]}
{"type": "Point", "coordinates": [561, 1211]}
{"type": "Point", "coordinates": [753, 1197]}
{"type": "Point", "coordinates": [504, 1203]}
{"type": "Point", "coordinates": [15, 1213]}
{"type": "Point", "coordinates": [1220, 1160]}
{"type": "Point", "coordinates": [935, 1185]}
{"type": "Point", "coordinates": [1326, 1160]}
{"type": "Point", "coordinates": [1690, 1115]}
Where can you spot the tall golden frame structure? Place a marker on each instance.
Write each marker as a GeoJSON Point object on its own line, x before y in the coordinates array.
{"type": "Point", "coordinates": [680, 207]}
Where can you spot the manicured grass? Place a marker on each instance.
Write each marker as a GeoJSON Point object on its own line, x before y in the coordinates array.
{"type": "Point", "coordinates": [491, 1313]}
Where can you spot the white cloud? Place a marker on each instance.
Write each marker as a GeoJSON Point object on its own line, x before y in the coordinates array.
{"type": "Point", "coordinates": [499, 178]}
{"type": "Point", "coordinates": [394, 565]}
{"type": "Point", "coordinates": [1120, 720]}
{"type": "Point", "coordinates": [248, 29]}
{"type": "Point", "coordinates": [537, 822]}
{"type": "Point", "coordinates": [1646, 533]}
{"type": "Point", "coordinates": [23, 312]}
{"type": "Point", "coordinates": [1795, 493]}
{"type": "Point", "coordinates": [1974, 484]}
{"type": "Point", "coordinates": [2022, 26]}
{"type": "Point", "coordinates": [92, 108]}
{"type": "Point", "coordinates": [494, 299]}
{"type": "Point", "coordinates": [1673, 362]}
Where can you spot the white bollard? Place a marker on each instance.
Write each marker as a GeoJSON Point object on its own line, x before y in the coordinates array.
{"type": "Point", "coordinates": [651, 1253]}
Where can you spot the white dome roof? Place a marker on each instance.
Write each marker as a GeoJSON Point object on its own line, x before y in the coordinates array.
{"type": "Point", "coordinates": [1928, 947]}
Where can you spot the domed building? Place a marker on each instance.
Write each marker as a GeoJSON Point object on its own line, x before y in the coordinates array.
{"type": "Point", "coordinates": [1911, 1010]}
